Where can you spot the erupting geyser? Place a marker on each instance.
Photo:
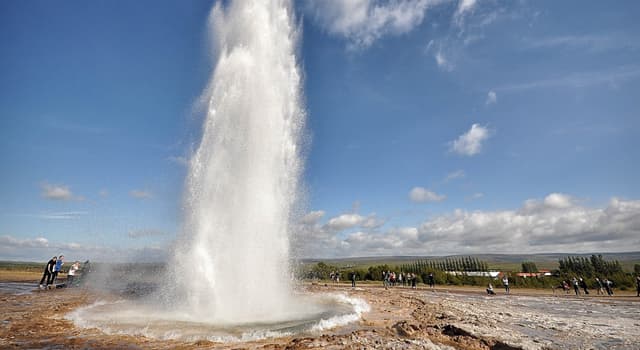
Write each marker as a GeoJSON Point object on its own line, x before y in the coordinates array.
{"type": "Point", "coordinates": [229, 277]}
{"type": "Point", "coordinates": [232, 264]}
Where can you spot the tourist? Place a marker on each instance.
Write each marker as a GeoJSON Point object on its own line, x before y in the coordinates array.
{"type": "Point", "coordinates": [505, 283]}
{"type": "Point", "coordinates": [576, 286]}
{"type": "Point", "coordinates": [353, 279]}
{"type": "Point", "coordinates": [565, 287]}
{"type": "Point", "coordinates": [638, 285]}
{"type": "Point", "coordinates": [401, 279]}
{"type": "Point", "coordinates": [490, 290]}
{"type": "Point", "coordinates": [57, 268]}
{"type": "Point", "coordinates": [413, 280]}
{"type": "Point", "coordinates": [607, 286]}
{"type": "Point", "coordinates": [600, 288]}
{"type": "Point", "coordinates": [432, 282]}
{"type": "Point", "coordinates": [583, 284]}
{"type": "Point", "coordinates": [72, 273]}
{"type": "Point", "coordinates": [48, 272]}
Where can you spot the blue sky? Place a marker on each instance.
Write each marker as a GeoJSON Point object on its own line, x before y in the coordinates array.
{"type": "Point", "coordinates": [436, 127]}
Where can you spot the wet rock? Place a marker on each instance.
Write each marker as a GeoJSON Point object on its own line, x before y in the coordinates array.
{"type": "Point", "coordinates": [405, 329]}
{"type": "Point", "coordinates": [453, 331]}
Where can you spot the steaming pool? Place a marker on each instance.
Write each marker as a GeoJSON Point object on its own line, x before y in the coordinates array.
{"type": "Point", "coordinates": [307, 314]}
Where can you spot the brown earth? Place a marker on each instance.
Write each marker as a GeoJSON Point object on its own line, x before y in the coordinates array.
{"type": "Point", "coordinates": [399, 319]}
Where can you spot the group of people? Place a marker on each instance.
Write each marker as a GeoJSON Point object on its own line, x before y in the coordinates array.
{"type": "Point", "coordinates": [579, 283]}
{"type": "Point", "coordinates": [53, 268]}
{"type": "Point", "coordinates": [391, 279]}
{"type": "Point", "coordinates": [505, 283]}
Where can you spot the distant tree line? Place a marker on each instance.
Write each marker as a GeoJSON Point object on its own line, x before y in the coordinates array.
{"type": "Point", "coordinates": [529, 267]}
{"type": "Point", "coordinates": [462, 264]}
{"type": "Point", "coordinates": [569, 267]}
{"type": "Point", "coordinates": [589, 267]}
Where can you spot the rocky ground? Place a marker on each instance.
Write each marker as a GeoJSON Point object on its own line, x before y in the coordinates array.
{"type": "Point", "coordinates": [400, 318]}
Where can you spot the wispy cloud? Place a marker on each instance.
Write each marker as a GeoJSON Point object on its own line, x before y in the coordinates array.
{"type": "Point", "coordinates": [422, 195]}
{"type": "Point", "coordinates": [442, 61]}
{"type": "Point", "coordinates": [492, 98]}
{"type": "Point", "coordinates": [362, 22]}
{"type": "Point", "coordinates": [65, 215]}
{"type": "Point", "coordinates": [464, 8]}
{"type": "Point", "coordinates": [74, 127]}
{"type": "Point", "coordinates": [145, 233]}
{"type": "Point", "coordinates": [58, 192]}
{"type": "Point", "coordinates": [458, 174]}
{"type": "Point", "coordinates": [579, 80]}
{"type": "Point", "coordinates": [475, 196]}
{"type": "Point", "coordinates": [140, 194]}
{"type": "Point", "coordinates": [180, 160]}
{"type": "Point", "coordinates": [591, 43]}
{"type": "Point", "coordinates": [471, 142]}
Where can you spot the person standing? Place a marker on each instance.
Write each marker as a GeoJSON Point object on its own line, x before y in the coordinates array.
{"type": "Point", "coordinates": [432, 282]}
{"type": "Point", "coordinates": [48, 272]}
{"type": "Point", "coordinates": [505, 283]}
{"type": "Point", "coordinates": [583, 284]}
{"type": "Point", "coordinates": [57, 268]}
{"type": "Point", "coordinates": [638, 285]}
{"type": "Point", "coordinates": [607, 286]}
{"type": "Point", "coordinates": [72, 273]}
{"type": "Point", "coordinates": [353, 279]}
{"type": "Point", "coordinates": [576, 286]}
{"type": "Point", "coordinates": [600, 288]}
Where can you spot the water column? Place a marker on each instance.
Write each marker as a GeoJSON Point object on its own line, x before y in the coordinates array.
{"type": "Point", "coordinates": [231, 264]}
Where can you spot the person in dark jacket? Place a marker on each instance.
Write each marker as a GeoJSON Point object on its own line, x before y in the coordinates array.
{"type": "Point", "coordinates": [48, 272]}
{"type": "Point", "coordinates": [583, 285]}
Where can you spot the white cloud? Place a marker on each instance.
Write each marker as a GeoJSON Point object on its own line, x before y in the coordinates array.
{"type": "Point", "coordinates": [492, 97]}
{"type": "Point", "coordinates": [12, 242]}
{"type": "Point", "coordinates": [557, 223]}
{"type": "Point", "coordinates": [58, 192]}
{"type": "Point", "coordinates": [372, 222]}
{"type": "Point", "coordinates": [42, 249]}
{"type": "Point", "coordinates": [103, 193]}
{"type": "Point", "coordinates": [140, 194]}
{"type": "Point", "coordinates": [421, 195]}
{"type": "Point", "coordinates": [362, 22]}
{"type": "Point", "coordinates": [344, 222]}
{"type": "Point", "coordinates": [470, 143]}
{"type": "Point", "coordinates": [312, 217]}
{"type": "Point", "coordinates": [464, 7]}
{"type": "Point", "coordinates": [558, 200]}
